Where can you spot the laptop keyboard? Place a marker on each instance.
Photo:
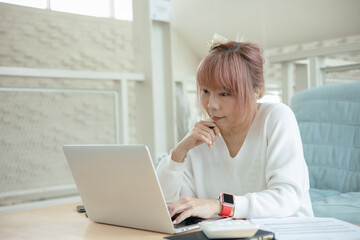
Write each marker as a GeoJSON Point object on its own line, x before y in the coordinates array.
{"type": "Point", "coordinates": [187, 222]}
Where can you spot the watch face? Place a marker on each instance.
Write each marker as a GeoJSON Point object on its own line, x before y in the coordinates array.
{"type": "Point", "coordinates": [228, 198]}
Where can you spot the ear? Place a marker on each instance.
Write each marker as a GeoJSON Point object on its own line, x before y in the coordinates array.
{"type": "Point", "coordinates": [257, 93]}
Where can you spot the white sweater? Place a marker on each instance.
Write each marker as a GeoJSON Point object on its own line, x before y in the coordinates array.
{"type": "Point", "coordinates": [268, 176]}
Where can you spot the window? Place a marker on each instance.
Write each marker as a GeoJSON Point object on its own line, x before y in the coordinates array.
{"type": "Point", "coordinates": [119, 9]}
{"type": "Point", "coordinates": [97, 8]}
{"type": "Point", "coordinates": [123, 9]}
{"type": "Point", "coordinates": [28, 3]}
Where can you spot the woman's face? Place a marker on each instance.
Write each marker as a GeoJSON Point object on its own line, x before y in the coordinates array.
{"type": "Point", "coordinates": [221, 107]}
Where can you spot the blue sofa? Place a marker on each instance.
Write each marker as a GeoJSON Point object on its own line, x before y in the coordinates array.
{"type": "Point", "coordinates": [329, 122]}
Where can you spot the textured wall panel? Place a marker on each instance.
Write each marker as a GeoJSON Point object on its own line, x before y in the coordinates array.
{"type": "Point", "coordinates": [35, 125]}
{"type": "Point", "coordinates": [47, 39]}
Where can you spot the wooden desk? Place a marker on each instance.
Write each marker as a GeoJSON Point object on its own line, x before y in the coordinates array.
{"type": "Point", "coordinates": [63, 222]}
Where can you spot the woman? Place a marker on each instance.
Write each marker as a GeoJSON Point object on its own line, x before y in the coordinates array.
{"type": "Point", "coordinates": [248, 153]}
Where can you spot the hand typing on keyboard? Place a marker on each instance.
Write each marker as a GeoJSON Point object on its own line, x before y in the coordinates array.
{"type": "Point", "coordinates": [188, 221]}
{"type": "Point", "coordinates": [187, 207]}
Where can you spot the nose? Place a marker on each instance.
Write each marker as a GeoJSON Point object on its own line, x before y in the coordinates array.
{"type": "Point", "coordinates": [213, 102]}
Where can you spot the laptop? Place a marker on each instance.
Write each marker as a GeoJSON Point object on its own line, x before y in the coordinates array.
{"type": "Point", "coordinates": [118, 185]}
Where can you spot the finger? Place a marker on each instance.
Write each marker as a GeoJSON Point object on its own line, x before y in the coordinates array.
{"type": "Point", "coordinates": [177, 207]}
{"type": "Point", "coordinates": [212, 126]}
{"type": "Point", "coordinates": [205, 139]}
{"type": "Point", "coordinates": [184, 215]}
{"type": "Point", "coordinates": [172, 211]}
{"type": "Point", "coordinates": [209, 133]}
{"type": "Point", "coordinates": [202, 135]}
{"type": "Point", "coordinates": [195, 138]}
{"type": "Point", "coordinates": [207, 126]}
{"type": "Point", "coordinates": [207, 123]}
{"type": "Point", "coordinates": [216, 130]}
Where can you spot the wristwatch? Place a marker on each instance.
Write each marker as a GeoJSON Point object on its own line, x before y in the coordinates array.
{"type": "Point", "coordinates": [227, 202]}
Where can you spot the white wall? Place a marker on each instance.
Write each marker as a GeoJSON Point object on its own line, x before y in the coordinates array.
{"type": "Point", "coordinates": [34, 125]}
{"type": "Point", "coordinates": [185, 61]}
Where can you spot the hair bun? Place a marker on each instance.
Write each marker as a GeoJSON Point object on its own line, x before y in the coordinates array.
{"type": "Point", "coordinates": [217, 41]}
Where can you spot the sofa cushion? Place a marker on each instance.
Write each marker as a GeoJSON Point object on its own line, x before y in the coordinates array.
{"type": "Point", "coordinates": [329, 122]}
{"type": "Point", "coordinates": [343, 206]}
{"type": "Point", "coordinates": [321, 194]}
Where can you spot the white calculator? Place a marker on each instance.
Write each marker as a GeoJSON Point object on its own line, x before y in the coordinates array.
{"type": "Point", "coordinates": [228, 228]}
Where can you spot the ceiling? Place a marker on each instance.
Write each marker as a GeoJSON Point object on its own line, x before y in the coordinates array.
{"type": "Point", "coordinates": [271, 23]}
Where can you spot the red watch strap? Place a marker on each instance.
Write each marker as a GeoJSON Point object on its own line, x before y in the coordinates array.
{"type": "Point", "coordinates": [226, 211]}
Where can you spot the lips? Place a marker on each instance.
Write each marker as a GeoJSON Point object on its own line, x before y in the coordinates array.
{"type": "Point", "coordinates": [214, 118]}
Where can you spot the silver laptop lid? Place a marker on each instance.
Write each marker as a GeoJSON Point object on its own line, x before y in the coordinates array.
{"type": "Point", "coordinates": [118, 185]}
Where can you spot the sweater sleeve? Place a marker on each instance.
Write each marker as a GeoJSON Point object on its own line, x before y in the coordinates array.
{"type": "Point", "coordinates": [176, 179]}
{"type": "Point", "coordinates": [286, 172]}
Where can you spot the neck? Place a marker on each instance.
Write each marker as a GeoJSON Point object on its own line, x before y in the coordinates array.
{"type": "Point", "coordinates": [240, 130]}
{"type": "Point", "coordinates": [236, 132]}
{"type": "Point", "coordinates": [234, 138]}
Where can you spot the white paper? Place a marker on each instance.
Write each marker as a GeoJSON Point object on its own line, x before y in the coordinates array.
{"type": "Point", "coordinates": [300, 228]}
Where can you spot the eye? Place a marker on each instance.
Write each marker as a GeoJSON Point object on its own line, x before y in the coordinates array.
{"type": "Point", "coordinates": [224, 94]}
{"type": "Point", "coordinates": [205, 91]}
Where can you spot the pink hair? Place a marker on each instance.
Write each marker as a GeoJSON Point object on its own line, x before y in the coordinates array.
{"type": "Point", "coordinates": [236, 67]}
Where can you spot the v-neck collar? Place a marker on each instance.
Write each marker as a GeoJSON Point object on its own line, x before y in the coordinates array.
{"type": "Point", "coordinates": [247, 135]}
